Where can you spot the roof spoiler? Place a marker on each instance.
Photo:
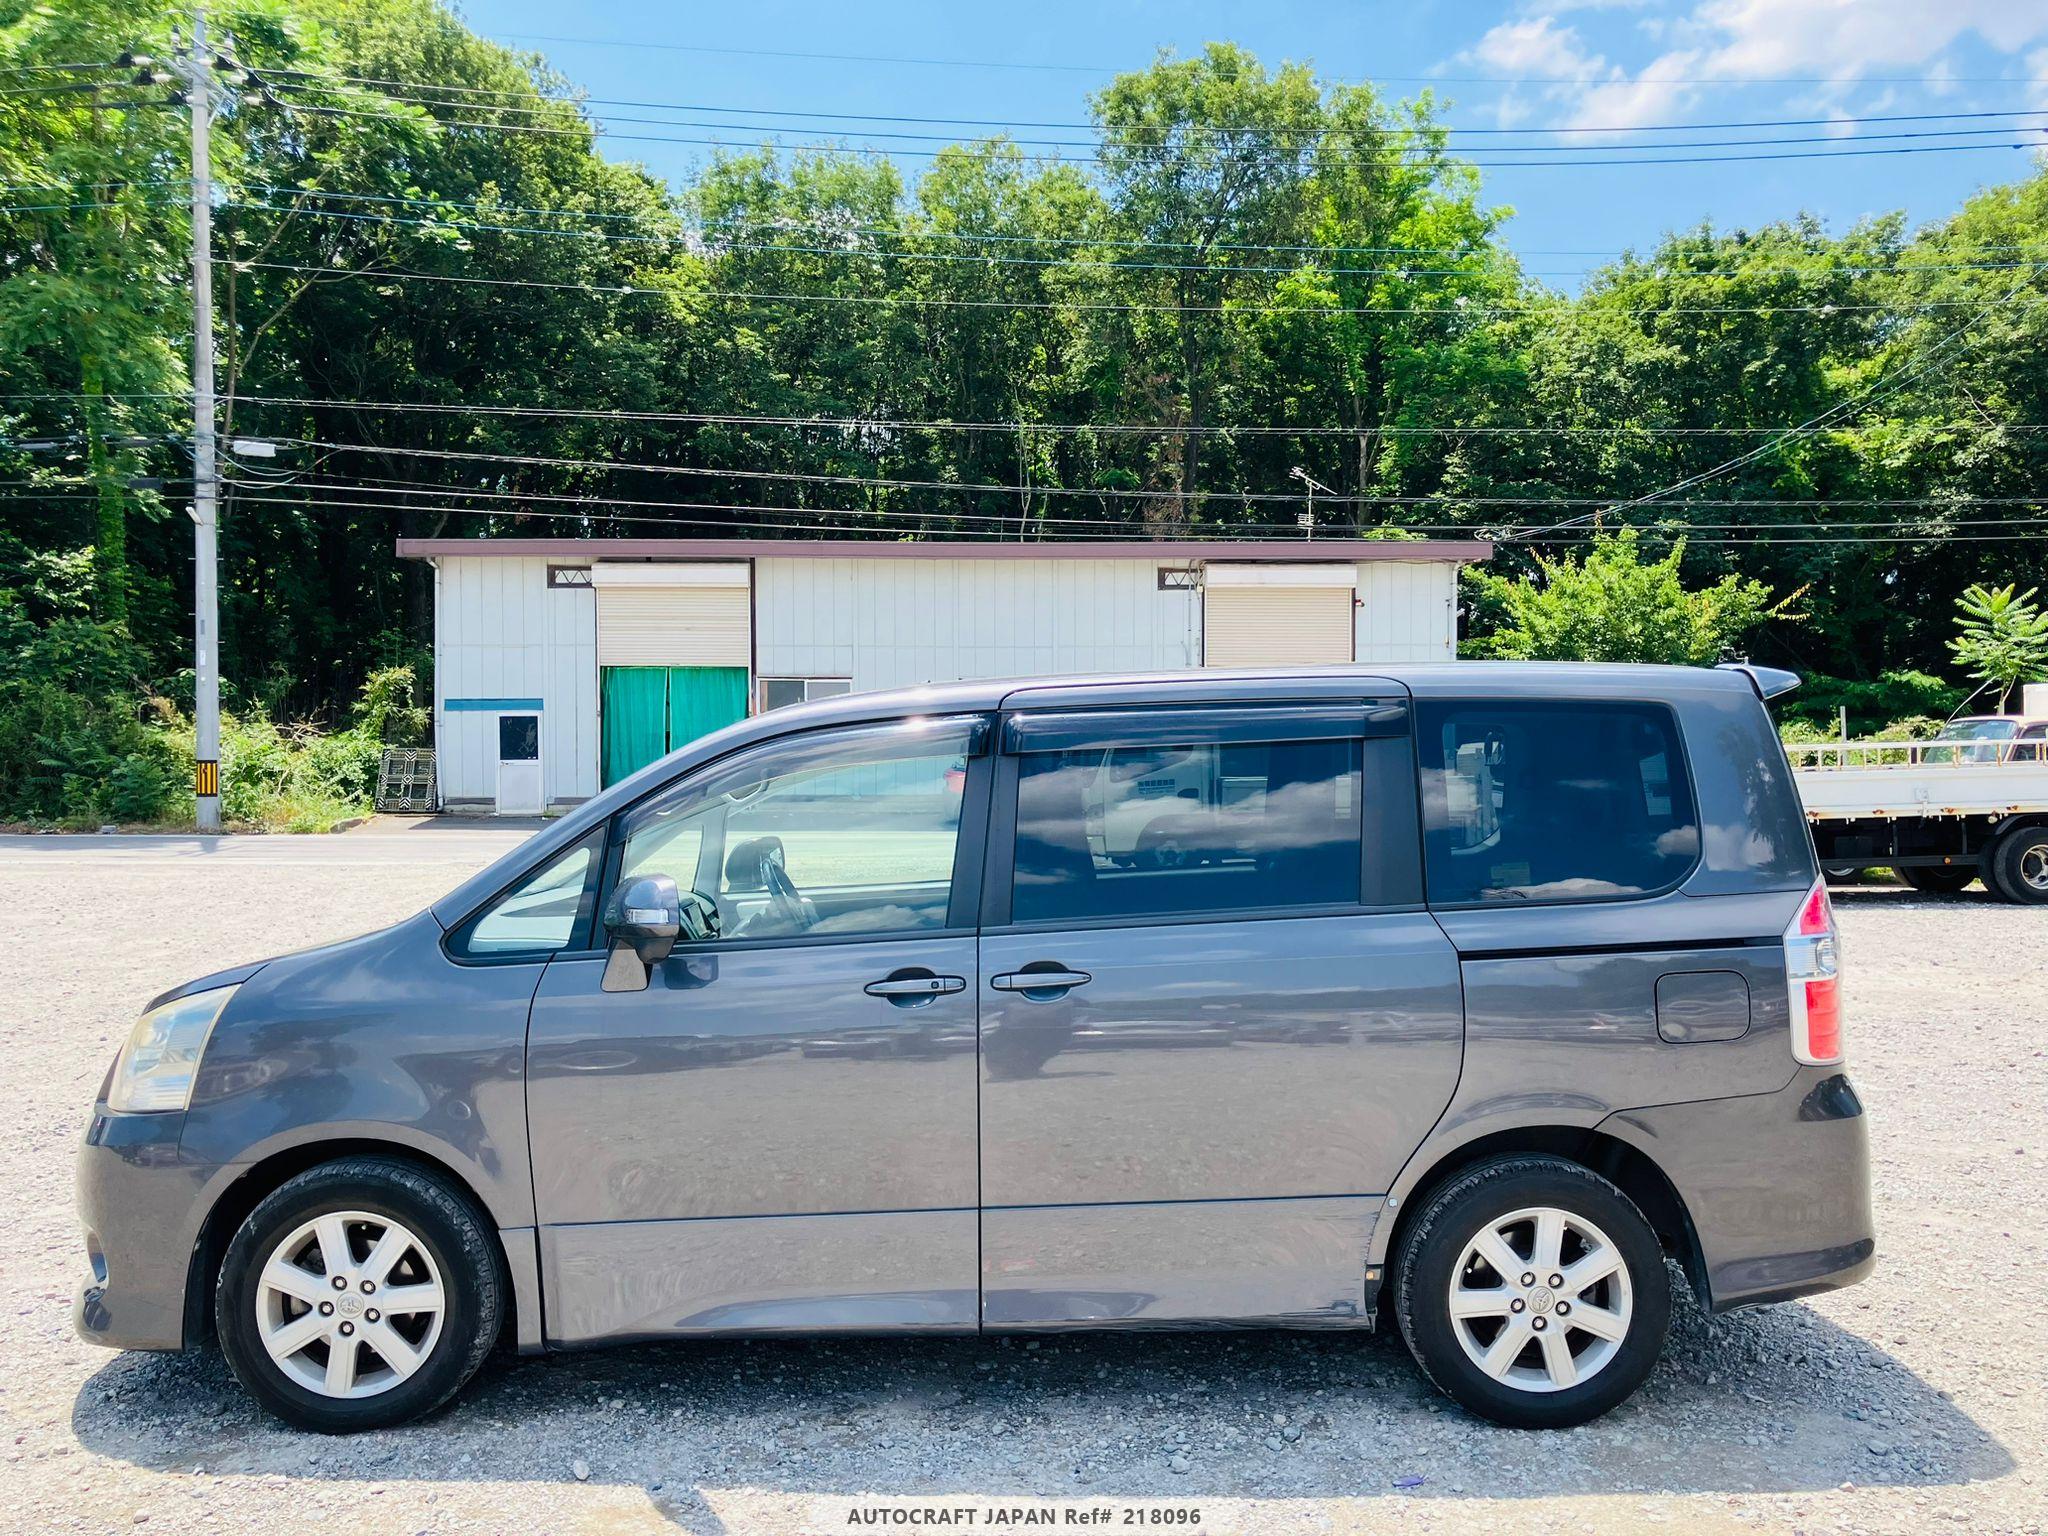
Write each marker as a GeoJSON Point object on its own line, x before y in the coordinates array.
{"type": "Point", "coordinates": [1769, 682]}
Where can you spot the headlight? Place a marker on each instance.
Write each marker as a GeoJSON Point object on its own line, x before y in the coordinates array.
{"type": "Point", "coordinates": [158, 1064]}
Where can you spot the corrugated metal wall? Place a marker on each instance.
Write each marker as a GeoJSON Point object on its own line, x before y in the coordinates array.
{"type": "Point", "coordinates": [501, 632]}
{"type": "Point", "coordinates": [896, 623]}
{"type": "Point", "coordinates": [1408, 610]}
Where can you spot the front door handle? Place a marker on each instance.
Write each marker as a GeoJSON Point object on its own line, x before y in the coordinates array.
{"type": "Point", "coordinates": [915, 989]}
{"type": "Point", "coordinates": [1040, 986]}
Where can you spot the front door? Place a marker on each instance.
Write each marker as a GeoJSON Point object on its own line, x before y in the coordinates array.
{"type": "Point", "coordinates": [779, 1132]}
{"type": "Point", "coordinates": [520, 790]}
{"type": "Point", "coordinates": [1215, 1017]}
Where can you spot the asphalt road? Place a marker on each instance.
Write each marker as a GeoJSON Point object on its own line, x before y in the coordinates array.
{"type": "Point", "coordinates": [1918, 1400]}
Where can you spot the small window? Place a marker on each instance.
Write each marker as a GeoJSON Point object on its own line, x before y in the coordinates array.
{"type": "Point", "coordinates": [1554, 801]}
{"type": "Point", "coordinates": [518, 738]}
{"type": "Point", "coordinates": [842, 834]}
{"type": "Point", "coordinates": [1120, 832]}
{"type": "Point", "coordinates": [543, 913]}
{"type": "Point", "coordinates": [780, 692]}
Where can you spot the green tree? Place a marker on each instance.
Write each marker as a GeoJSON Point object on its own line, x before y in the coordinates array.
{"type": "Point", "coordinates": [2002, 638]}
{"type": "Point", "coordinates": [1613, 605]}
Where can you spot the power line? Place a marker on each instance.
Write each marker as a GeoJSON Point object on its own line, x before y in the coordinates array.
{"type": "Point", "coordinates": [384, 485]}
{"type": "Point", "coordinates": [720, 232]}
{"type": "Point", "coordinates": [1876, 390]}
{"type": "Point", "coordinates": [894, 424]}
{"type": "Point", "coordinates": [993, 536]}
{"type": "Point", "coordinates": [720, 247]}
{"type": "Point", "coordinates": [1403, 145]}
{"type": "Point", "coordinates": [588, 129]}
{"type": "Point", "coordinates": [582, 100]}
{"type": "Point", "coordinates": [613, 466]}
{"type": "Point", "coordinates": [1456, 308]}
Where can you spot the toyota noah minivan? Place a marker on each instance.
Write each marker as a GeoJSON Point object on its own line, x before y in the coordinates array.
{"type": "Point", "coordinates": [1459, 997]}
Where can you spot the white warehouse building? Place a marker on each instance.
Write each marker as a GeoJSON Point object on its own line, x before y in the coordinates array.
{"type": "Point", "coordinates": [561, 665]}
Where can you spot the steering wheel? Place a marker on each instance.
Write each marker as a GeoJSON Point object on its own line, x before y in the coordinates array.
{"type": "Point", "coordinates": [789, 904]}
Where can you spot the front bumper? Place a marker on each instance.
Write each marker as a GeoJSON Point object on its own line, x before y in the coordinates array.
{"type": "Point", "coordinates": [1777, 1185]}
{"type": "Point", "coordinates": [139, 1200]}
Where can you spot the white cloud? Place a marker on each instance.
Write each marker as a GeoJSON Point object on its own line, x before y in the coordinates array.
{"type": "Point", "coordinates": [1747, 40]}
{"type": "Point", "coordinates": [1537, 48]}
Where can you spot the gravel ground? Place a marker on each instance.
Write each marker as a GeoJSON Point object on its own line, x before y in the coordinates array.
{"type": "Point", "coordinates": [1900, 1405]}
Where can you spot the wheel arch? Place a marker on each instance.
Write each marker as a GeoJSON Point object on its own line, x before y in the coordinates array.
{"type": "Point", "coordinates": [258, 1180]}
{"type": "Point", "coordinates": [1630, 1169]}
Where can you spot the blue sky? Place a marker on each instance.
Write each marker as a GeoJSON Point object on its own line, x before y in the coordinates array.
{"type": "Point", "coordinates": [1586, 64]}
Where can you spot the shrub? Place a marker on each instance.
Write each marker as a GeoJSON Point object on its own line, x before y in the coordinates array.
{"type": "Point", "coordinates": [1895, 695]}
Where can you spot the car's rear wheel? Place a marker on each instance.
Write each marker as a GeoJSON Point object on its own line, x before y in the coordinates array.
{"type": "Point", "coordinates": [1533, 1292]}
{"type": "Point", "coordinates": [1937, 881]}
{"type": "Point", "coordinates": [2018, 866]}
{"type": "Point", "coordinates": [359, 1295]}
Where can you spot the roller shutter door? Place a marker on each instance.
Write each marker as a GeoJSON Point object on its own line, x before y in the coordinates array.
{"type": "Point", "coordinates": [672, 627]}
{"type": "Point", "coordinates": [677, 616]}
{"type": "Point", "coordinates": [1264, 626]}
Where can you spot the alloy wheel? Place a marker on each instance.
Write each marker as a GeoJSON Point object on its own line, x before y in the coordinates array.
{"type": "Point", "coordinates": [1541, 1299]}
{"type": "Point", "coordinates": [349, 1304]}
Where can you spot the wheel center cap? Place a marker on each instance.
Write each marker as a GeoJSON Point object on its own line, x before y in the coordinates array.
{"type": "Point", "coordinates": [349, 1306]}
{"type": "Point", "coordinates": [1541, 1299]}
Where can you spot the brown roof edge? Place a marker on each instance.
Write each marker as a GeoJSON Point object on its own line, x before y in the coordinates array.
{"type": "Point", "coordinates": [1463, 551]}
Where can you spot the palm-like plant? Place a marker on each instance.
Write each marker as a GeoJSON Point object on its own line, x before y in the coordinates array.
{"type": "Point", "coordinates": [2002, 637]}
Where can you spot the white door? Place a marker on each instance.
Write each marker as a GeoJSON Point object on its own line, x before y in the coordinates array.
{"type": "Point", "coordinates": [519, 782]}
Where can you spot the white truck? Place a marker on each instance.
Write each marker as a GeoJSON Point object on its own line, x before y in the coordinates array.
{"type": "Point", "coordinates": [1970, 804]}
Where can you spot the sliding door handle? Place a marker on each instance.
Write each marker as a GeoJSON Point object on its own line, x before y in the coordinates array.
{"type": "Point", "coordinates": [1040, 986]}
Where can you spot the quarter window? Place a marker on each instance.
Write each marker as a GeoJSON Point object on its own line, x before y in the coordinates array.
{"type": "Point", "coordinates": [1553, 801]}
{"type": "Point", "coordinates": [541, 914]}
{"type": "Point", "coordinates": [852, 834]}
{"type": "Point", "coordinates": [1139, 831]}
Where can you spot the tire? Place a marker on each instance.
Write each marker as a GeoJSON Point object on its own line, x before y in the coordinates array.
{"type": "Point", "coordinates": [1936, 880]}
{"type": "Point", "coordinates": [440, 1255]}
{"type": "Point", "coordinates": [1595, 1218]}
{"type": "Point", "coordinates": [2018, 866]}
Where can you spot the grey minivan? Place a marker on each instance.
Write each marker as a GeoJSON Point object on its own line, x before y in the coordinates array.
{"type": "Point", "coordinates": [1464, 993]}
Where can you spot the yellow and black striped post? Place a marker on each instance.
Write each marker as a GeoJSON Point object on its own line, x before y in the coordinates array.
{"type": "Point", "coordinates": [206, 778]}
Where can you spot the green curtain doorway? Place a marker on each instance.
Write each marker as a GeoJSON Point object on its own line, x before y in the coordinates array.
{"type": "Point", "coordinates": [650, 711]}
{"type": "Point", "coordinates": [702, 700]}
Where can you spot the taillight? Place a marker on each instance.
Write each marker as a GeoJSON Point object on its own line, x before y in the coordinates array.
{"type": "Point", "coordinates": [1813, 980]}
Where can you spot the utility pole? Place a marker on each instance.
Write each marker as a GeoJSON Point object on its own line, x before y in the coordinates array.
{"type": "Point", "coordinates": [205, 487]}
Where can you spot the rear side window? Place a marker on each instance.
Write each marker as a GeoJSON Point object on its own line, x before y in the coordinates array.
{"type": "Point", "coordinates": [1565, 801]}
{"type": "Point", "coordinates": [1142, 831]}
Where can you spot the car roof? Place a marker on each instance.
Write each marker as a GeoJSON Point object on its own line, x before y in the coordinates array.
{"type": "Point", "coordinates": [1467, 679]}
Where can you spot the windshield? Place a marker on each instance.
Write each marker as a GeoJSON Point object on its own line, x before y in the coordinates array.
{"type": "Point", "coordinates": [1978, 730]}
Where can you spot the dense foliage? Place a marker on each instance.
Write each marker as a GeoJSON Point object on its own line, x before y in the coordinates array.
{"type": "Point", "coordinates": [1254, 274]}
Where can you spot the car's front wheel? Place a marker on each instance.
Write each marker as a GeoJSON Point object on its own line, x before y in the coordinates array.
{"type": "Point", "coordinates": [1533, 1292]}
{"type": "Point", "coordinates": [358, 1295]}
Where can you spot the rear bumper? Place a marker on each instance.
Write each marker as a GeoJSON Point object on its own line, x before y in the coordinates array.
{"type": "Point", "coordinates": [139, 1201]}
{"type": "Point", "coordinates": [1777, 1186]}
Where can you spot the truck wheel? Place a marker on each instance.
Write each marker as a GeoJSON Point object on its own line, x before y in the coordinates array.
{"type": "Point", "coordinates": [1937, 881]}
{"type": "Point", "coordinates": [2018, 866]}
{"type": "Point", "coordinates": [1533, 1292]}
{"type": "Point", "coordinates": [358, 1295]}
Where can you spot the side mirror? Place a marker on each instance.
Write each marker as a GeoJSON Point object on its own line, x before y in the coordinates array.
{"type": "Point", "coordinates": [645, 918]}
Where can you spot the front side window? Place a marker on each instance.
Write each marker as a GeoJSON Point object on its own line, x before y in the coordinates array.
{"type": "Point", "coordinates": [1122, 832]}
{"type": "Point", "coordinates": [830, 836]}
{"type": "Point", "coordinates": [1553, 801]}
{"type": "Point", "coordinates": [539, 915]}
